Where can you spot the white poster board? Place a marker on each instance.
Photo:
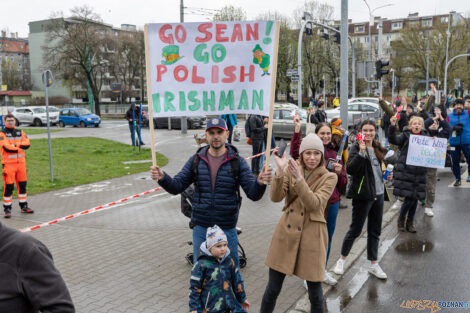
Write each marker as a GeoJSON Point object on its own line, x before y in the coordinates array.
{"type": "Point", "coordinates": [211, 68]}
{"type": "Point", "coordinates": [426, 151]}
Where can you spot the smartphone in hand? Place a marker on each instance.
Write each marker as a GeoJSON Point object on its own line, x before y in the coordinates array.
{"type": "Point", "coordinates": [282, 148]}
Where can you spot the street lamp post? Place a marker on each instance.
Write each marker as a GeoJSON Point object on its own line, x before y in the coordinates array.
{"type": "Point", "coordinates": [447, 51]}
{"type": "Point", "coordinates": [447, 65]}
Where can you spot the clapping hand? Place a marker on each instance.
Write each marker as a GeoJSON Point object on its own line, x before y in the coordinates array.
{"type": "Point", "coordinates": [294, 169]}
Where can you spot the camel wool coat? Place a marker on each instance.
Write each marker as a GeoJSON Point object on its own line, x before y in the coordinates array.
{"type": "Point", "coordinates": [300, 241]}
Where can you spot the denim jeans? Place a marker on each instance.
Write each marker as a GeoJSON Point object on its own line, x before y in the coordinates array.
{"type": "Point", "coordinates": [455, 154]}
{"type": "Point", "coordinates": [331, 224]}
{"type": "Point", "coordinates": [409, 208]}
{"type": "Point", "coordinates": [134, 130]}
{"type": "Point", "coordinates": [199, 236]}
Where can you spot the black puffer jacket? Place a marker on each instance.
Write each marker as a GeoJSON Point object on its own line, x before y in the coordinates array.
{"type": "Point", "coordinates": [409, 180]}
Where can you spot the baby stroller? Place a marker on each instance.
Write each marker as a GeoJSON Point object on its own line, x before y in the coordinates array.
{"type": "Point", "coordinates": [187, 209]}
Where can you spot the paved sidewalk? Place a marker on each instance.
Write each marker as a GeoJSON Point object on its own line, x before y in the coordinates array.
{"type": "Point", "coordinates": [130, 258]}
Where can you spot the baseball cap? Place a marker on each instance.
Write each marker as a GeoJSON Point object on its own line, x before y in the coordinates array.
{"type": "Point", "coordinates": [216, 122]}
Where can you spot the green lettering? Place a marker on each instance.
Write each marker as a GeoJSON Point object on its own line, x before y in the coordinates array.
{"type": "Point", "coordinates": [222, 51]}
{"type": "Point", "coordinates": [156, 102]}
{"type": "Point", "coordinates": [206, 102]}
{"type": "Point", "coordinates": [182, 102]}
{"type": "Point", "coordinates": [167, 105]}
{"type": "Point", "coordinates": [199, 56]}
{"type": "Point", "coordinates": [243, 105]}
{"type": "Point", "coordinates": [196, 102]}
{"type": "Point", "coordinates": [257, 99]}
{"type": "Point", "coordinates": [226, 100]}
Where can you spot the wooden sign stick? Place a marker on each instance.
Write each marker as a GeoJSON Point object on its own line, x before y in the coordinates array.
{"type": "Point", "coordinates": [149, 96]}
{"type": "Point", "coordinates": [272, 96]}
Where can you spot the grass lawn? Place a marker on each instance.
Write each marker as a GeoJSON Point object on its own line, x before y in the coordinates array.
{"type": "Point", "coordinates": [29, 131]}
{"type": "Point", "coordinates": [78, 161]}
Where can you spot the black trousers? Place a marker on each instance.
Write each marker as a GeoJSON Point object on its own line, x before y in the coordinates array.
{"type": "Point", "coordinates": [315, 293]}
{"type": "Point", "coordinates": [409, 208]}
{"type": "Point", "coordinates": [257, 148]}
{"type": "Point", "coordinates": [362, 209]}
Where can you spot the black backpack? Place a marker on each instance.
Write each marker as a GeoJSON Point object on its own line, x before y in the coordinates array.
{"type": "Point", "coordinates": [188, 195]}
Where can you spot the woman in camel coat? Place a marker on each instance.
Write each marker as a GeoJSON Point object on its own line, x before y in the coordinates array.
{"type": "Point", "coordinates": [300, 241]}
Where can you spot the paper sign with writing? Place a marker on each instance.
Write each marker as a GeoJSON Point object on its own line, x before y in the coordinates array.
{"type": "Point", "coordinates": [426, 151]}
{"type": "Point", "coordinates": [211, 68]}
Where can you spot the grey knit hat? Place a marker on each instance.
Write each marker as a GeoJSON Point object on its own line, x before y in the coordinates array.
{"type": "Point", "coordinates": [312, 141]}
{"type": "Point", "coordinates": [214, 235]}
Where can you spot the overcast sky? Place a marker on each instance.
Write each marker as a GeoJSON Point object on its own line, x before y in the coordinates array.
{"type": "Point", "coordinates": [15, 14]}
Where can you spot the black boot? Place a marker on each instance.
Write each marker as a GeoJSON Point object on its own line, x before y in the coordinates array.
{"type": "Point", "coordinates": [410, 227]}
{"type": "Point", "coordinates": [25, 209]}
{"type": "Point", "coordinates": [401, 223]}
{"type": "Point", "coordinates": [7, 210]}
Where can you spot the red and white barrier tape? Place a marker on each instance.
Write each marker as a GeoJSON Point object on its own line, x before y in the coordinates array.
{"type": "Point", "coordinates": [107, 205]}
{"type": "Point", "coordinates": [92, 210]}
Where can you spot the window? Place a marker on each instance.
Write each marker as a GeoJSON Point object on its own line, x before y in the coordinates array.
{"type": "Point", "coordinates": [427, 23]}
{"type": "Point", "coordinates": [366, 39]}
{"type": "Point", "coordinates": [368, 108]}
{"type": "Point", "coordinates": [359, 29]}
{"type": "Point", "coordinates": [64, 112]}
{"type": "Point", "coordinates": [414, 23]}
{"type": "Point", "coordinates": [276, 114]}
{"type": "Point", "coordinates": [389, 38]}
{"type": "Point", "coordinates": [286, 115]}
{"type": "Point", "coordinates": [397, 25]}
{"type": "Point", "coordinates": [445, 19]}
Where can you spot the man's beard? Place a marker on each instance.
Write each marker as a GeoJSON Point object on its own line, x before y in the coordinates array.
{"type": "Point", "coordinates": [458, 111]}
{"type": "Point", "coordinates": [216, 147]}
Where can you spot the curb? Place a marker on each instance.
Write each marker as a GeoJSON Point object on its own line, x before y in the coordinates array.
{"type": "Point", "coordinates": [303, 304]}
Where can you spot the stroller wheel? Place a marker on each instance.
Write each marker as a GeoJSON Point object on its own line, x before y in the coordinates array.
{"type": "Point", "coordinates": [242, 262]}
{"type": "Point", "coordinates": [189, 258]}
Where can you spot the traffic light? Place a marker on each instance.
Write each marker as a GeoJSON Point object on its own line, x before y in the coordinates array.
{"type": "Point", "coordinates": [308, 29]}
{"type": "Point", "coordinates": [379, 72]}
{"type": "Point", "coordinates": [468, 56]}
{"type": "Point", "coordinates": [337, 38]}
{"type": "Point", "coordinates": [337, 85]}
{"type": "Point", "coordinates": [323, 34]}
{"type": "Point", "coordinates": [322, 83]}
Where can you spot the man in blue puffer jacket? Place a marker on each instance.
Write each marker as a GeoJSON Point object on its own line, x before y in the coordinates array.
{"type": "Point", "coordinates": [459, 120]}
{"type": "Point", "coordinates": [215, 199]}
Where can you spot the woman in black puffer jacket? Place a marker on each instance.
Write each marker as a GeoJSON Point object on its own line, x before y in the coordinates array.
{"type": "Point", "coordinates": [409, 180]}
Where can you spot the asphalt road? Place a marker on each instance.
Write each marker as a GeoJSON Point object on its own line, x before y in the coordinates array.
{"type": "Point", "coordinates": [429, 265]}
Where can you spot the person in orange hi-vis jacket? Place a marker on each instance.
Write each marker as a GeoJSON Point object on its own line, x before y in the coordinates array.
{"type": "Point", "coordinates": [13, 142]}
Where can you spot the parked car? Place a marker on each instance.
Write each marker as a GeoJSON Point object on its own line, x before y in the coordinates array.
{"type": "Point", "coordinates": [283, 122]}
{"type": "Point", "coordinates": [194, 122]}
{"type": "Point", "coordinates": [33, 115]}
{"type": "Point", "coordinates": [357, 111]}
{"type": "Point", "coordinates": [366, 99]}
{"type": "Point", "coordinates": [78, 117]}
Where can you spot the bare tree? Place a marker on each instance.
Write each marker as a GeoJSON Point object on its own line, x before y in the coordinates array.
{"type": "Point", "coordinates": [79, 50]}
{"type": "Point", "coordinates": [10, 74]}
{"type": "Point", "coordinates": [126, 63]}
{"type": "Point", "coordinates": [230, 13]}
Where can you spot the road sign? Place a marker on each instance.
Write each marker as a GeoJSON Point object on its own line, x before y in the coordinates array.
{"type": "Point", "coordinates": [295, 78]}
{"type": "Point", "coordinates": [4, 88]}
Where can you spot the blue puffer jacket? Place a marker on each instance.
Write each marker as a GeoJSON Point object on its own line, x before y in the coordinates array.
{"type": "Point", "coordinates": [464, 119]}
{"type": "Point", "coordinates": [218, 206]}
{"type": "Point", "coordinates": [215, 285]}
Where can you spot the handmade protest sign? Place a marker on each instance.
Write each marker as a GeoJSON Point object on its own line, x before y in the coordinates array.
{"type": "Point", "coordinates": [211, 68]}
{"type": "Point", "coordinates": [426, 151]}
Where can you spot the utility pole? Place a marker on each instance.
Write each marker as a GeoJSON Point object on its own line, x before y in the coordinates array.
{"type": "Point", "coordinates": [427, 65]}
{"type": "Point", "coordinates": [47, 80]}
{"type": "Point", "coordinates": [393, 83]}
{"type": "Point", "coordinates": [184, 119]}
{"type": "Point", "coordinates": [447, 50]}
{"type": "Point", "coordinates": [343, 100]}
{"type": "Point", "coordinates": [379, 52]}
{"type": "Point", "coordinates": [324, 89]}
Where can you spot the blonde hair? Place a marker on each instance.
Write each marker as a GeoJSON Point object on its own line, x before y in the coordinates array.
{"type": "Point", "coordinates": [414, 118]}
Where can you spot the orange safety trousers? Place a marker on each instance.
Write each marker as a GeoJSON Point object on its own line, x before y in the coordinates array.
{"type": "Point", "coordinates": [14, 172]}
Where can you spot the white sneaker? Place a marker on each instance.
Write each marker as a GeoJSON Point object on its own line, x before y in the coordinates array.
{"type": "Point", "coordinates": [377, 272]}
{"type": "Point", "coordinates": [329, 280]}
{"type": "Point", "coordinates": [428, 212]}
{"type": "Point", "coordinates": [339, 267]}
{"type": "Point", "coordinates": [397, 204]}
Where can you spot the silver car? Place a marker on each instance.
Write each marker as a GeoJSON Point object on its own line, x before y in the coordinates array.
{"type": "Point", "coordinates": [283, 121]}
{"type": "Point", "coordinates": [357, 111]}
{"type": "Point", "coordinates": [33, 115]}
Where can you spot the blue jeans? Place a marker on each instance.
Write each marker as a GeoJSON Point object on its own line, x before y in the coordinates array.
{"type": "Point", "coordinates": [134, 130]}
{"type": "Point", "coordinates": [331, 224]}
{"type": "Point", "coordinates": [455, 154]}
{"type": "Point", "coordinates": [199, 236]}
